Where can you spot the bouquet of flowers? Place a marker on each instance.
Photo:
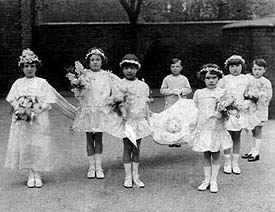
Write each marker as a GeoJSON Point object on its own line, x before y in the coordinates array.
{"type": "Point", "coordinates": [118, 103]}
{"type": "Point", "coordinates": [173, 125]}
{"type": "Point", "coordinates": [76, 75]}
{"type": "Point", "coordinates": [27, 108]}
{"type": "Point", "coordinates": [227, 106]}
{"type": "Point", "coordinates": [252, 93]}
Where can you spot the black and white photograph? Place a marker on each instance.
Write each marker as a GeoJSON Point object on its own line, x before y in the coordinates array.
{"type": "Point", "coordinates": [137, 105]}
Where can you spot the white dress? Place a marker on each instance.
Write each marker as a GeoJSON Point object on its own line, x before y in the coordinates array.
{"type": "Point", "coordinates": [236, 86]}
{"type": "Point", "coordinates": [29, 144]}
{"type": "Point", "coordinates": [209, 132]}
{"type": "Point", "coordinates": [137, 113]}
{"type": "Point", "coordinates": [93, 109]}
{"type": "Point", "coordinates": [171, 126]}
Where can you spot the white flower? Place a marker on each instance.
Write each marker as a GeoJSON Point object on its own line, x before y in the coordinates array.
{"type": "Point", "coordinates": [79, 68]}
{"type": "Point", "coordinates": [28, 56]}
{"type": "Point", "coordinates": [173, 125]}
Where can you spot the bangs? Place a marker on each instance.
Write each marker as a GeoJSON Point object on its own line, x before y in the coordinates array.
{"type": "Point", "coordinates": [234, 62]}
{"type": "Point", "coordinates": [126, 64]}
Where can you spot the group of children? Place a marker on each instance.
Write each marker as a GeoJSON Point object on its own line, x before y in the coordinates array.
{"type": "Point", "coordinates": [29, 141]}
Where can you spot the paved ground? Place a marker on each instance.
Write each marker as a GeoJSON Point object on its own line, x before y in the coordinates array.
{"type": "Point", "coordinates": [171, 177]}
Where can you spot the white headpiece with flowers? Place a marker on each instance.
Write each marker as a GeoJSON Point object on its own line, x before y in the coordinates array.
{"type": "Point", "coordinates": [130, 62]}
{"type": "Point", "coordinates": [95, 51]}
{"type": "Point", "coordinates": [234, 57]}
{"type": "Point", "coordinates": [28, 56]}
{"type": "Point", "coordinates": [131, 59]}
{"type": "Point", "coordinates": [208, 69]}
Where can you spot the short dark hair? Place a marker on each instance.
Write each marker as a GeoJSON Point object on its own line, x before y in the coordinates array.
{"type": "Point", "coordinates": [260, 62]}
{"type": "Point", "coordinates": [235, 62]}
{"type": "Point", "coordinates": [129, 65]}
{"type": "Point", "coordinates": [175, 60]}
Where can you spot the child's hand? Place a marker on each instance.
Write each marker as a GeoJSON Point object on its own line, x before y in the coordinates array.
{"type": "Point", "coordinates": [216, 114]}
{"type": "Point", "coordinates": [45, 107]}
{"type": "Point", "coordinates": [176, 91]}
{"type": "Point", "coordinates": [150, 100]}
{"type": "Point", "coordinates": [246, 105]}
{"type": "Point", "coordinates": [15, 106]}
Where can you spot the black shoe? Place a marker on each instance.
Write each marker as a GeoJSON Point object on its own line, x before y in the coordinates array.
{"type": "Point", "coordinates": [174, 145]}
{"type": "Point", "coordinates": [246, 156]}
{"type": "Point", "coordinates": [252, 158]}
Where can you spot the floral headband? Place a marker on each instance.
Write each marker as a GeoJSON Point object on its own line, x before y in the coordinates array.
{"type": "Point", "coordinates": [130, 62]}
{"type": "Point", "coordinates": [95, 51]}
{"type": "Point", "coordinates": [234, 57]}
{"type": "Point", "coordinates": [208, 69]}
{"type": "Point", "coordinates": [28, 56]}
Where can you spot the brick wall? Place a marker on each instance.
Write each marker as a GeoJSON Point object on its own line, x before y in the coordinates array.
{"type": "Point", "coordinates": [252, 43]}
{"type": "Point", "coordinates": [27, 22]}
{"type": "Point", "coordinates": [196, 43]}
{"type": "Point", "coordinates": [10, 41]}
{"type": "Point", "coordinates": [15, 33]}
{"type": "Point", "coordinates": [80, 11]}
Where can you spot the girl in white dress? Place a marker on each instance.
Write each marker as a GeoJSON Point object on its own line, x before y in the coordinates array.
{"type": "Point", "coordinates": [29, 145]}
{"type": "Point", "coordinates": [134, 120]}
{"type": "Point", "coordinates": [260, 107]}
{"type": "Point", "coordinates": [93, 109]}
{"type": "Point", "coordinates": [236, 84]}
{"type": "Point", "coordinates": [209, 134]}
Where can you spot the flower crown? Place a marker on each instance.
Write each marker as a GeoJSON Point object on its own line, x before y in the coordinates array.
{"type": "Point", "coordinates": [130, 62]}
{"type": "Point", "coordinates": [28, 56]}
{"type": "Point", "coordinates": [234, 57]}
{"type": "Point", "coordinates": [208, 69]}
{"type": "Point", "coordinates": [95, 51]}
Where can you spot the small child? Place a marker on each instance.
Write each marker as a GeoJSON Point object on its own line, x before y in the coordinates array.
{"type": "Point", "coordinates": [31, 97]}
{"type": "Point", "coordinates": [236, 84]}
{"type": "Point", "coordinates": [210, 135]}
{"type": "Point", "coordinates": [135, 112]}
{"type": "Point", "coordinates": [174, 86]}
{"type": "Point", "coordinates": [93, 110]}
{"type": "Point", "coordinates": [263, 85]}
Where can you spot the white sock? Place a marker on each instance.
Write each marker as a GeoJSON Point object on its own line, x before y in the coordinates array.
{"type": "Point", "coordinates": [257, 147]}
{"type": "Point", "coordinates": [31, 173]}
{"type": "Point", "coordinates": [214, 174]}
{"type": "Point", "coordinates": [98, 158]}
{"type": "Point", "coordinates": [91, 160]}
{"type": "Point", "coordinates": [207, 173]}
{"type": "Point", "coordinates": [227, 159]}
{"type": "Point", "coordinates": [235, 160]}
{"type": "Point", "coordinates": [252, 146]}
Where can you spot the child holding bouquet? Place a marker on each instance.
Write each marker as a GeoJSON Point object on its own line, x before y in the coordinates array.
{"type": "Point", "coordinates": [235, 84]}
{"type": "Point", "coordinates": [134, 111]}
{"type": "Point", "coordinates": [29, 145]}
{"type": "Point", "coordinates": [260, 97]}
{"type": "Point", "coordinates": [92, 87]}
{"type": "Point", "coordinates": [209, 134]}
